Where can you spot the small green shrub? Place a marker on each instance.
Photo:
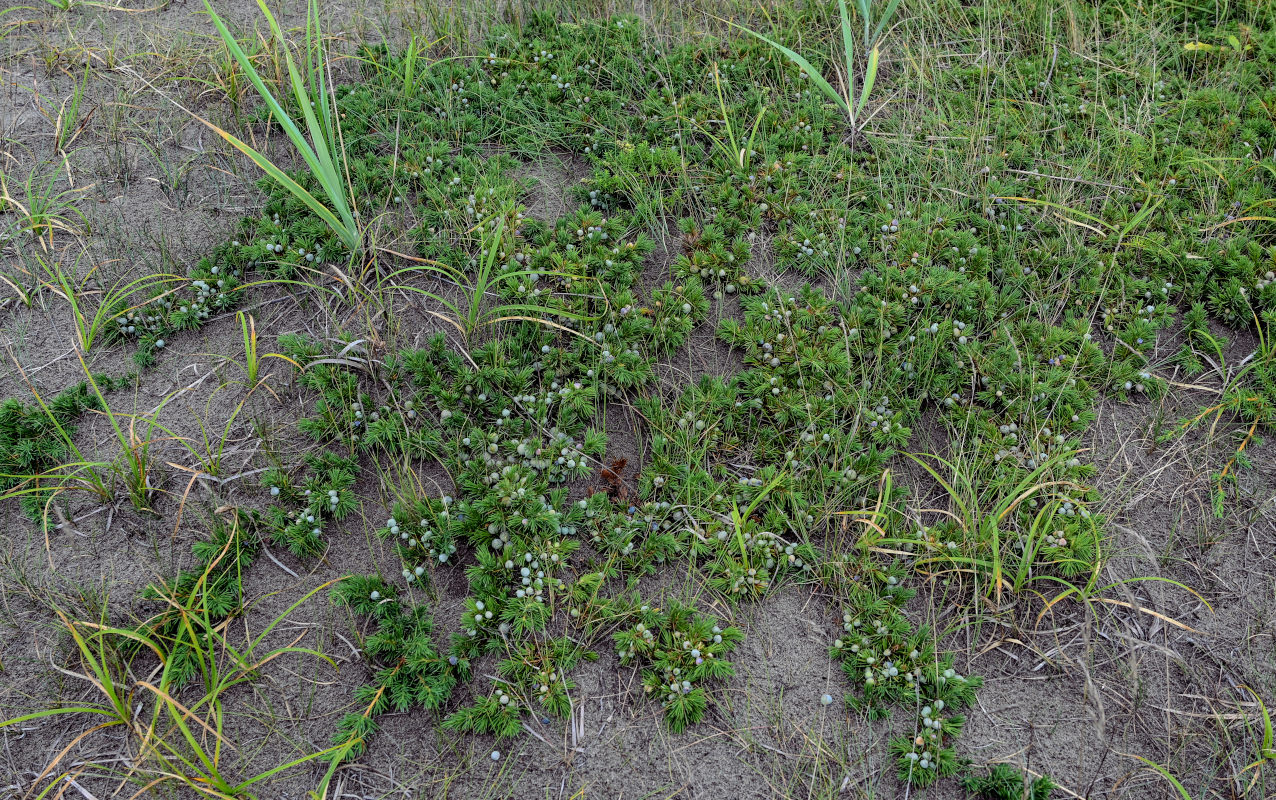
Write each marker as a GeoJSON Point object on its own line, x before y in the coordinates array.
{"type": "Point", "coordinates": [1003, 782]}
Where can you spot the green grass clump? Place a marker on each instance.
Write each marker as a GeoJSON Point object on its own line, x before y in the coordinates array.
{"type": "Point", "coordinates": [1246, 405]}
{"type": "Point", "coordinates": [213, 588]}
{"type": "Point", "coordinates": [170, 719]}
{"type": "Point", "coordinates": [309, 100]}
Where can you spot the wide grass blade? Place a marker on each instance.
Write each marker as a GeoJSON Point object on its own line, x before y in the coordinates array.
{"type": "Point", "coordinates": [812, 73]}
{"type": "Point", "coordinates": [282, 178]}
{"type": "Point", "coordinates": [319, 156]}
{"type": "Point", "coordinates": [870, 77]}
{"type": "Point", "coordinates": [848, 48]}
{"type": "Point", "coordinates": [882, 22]}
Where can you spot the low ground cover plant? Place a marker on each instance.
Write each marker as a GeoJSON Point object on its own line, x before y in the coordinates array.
{"type": "Point", "coordinates": [860, 309]}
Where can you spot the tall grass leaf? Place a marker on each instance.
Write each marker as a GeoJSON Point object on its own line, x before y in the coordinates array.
{"type": "Point", "coordinates": [748, 148]}
{"type": "Point", "coordinates": [1165, 773]}
{"type": "Point", "coordinates": [409, 70]}
{"type": "Point", "coordinates": [882, 22]}
{"type": "Point", "coordinates": [282, 178]}
{"type": "Point", "coordinates": [270, 773]}
{"type": "Point", "coordinates": [848, 47]}
{"type": "Point", "coordinates": [323, 135]}
{"type": "Point", "coordinates": [319, 157]}
{"type": "Point", "coordinates": [813, 74]}
{"type": "Point", "coordinates": [865, 8]}
{"type": "Point", "coordinates": [276, 109]}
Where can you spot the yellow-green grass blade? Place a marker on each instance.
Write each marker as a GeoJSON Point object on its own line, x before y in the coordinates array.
{"type": "Point", "coordinates": [870, 77]}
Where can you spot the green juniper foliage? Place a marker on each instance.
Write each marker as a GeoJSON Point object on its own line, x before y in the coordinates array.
{"type": "Point", "coordinates": [409, 670]}
{"type": "Point", "coordinates": [1004, 782]}
{"type": "Point", "coordinates": [534, 676]}
{"type": "Point", "coordinates": [303, 506]}
{"type": "Point", "coordinates": [681, 651]}
{"type": "Point", "coordinates": [36, 437]}
{"type": "Point", "coordinates": [575, 96]}
{"type": "Point", "coordinates": [833, 384]}
{"type": "Point", "coordinates": [892, 662]}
